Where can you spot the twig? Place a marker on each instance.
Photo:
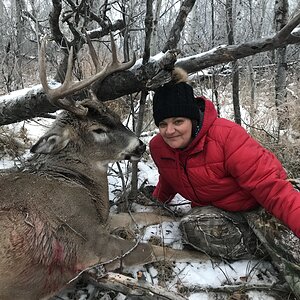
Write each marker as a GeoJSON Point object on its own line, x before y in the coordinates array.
{"type": "Point", "coordinates": [275, 287]}
{"type": "Point", "coordinates": [131, 286]}
{"type": "Point", "coordinates": [101, 266]}
{"type": "Point", "coordinates": [261, 129]}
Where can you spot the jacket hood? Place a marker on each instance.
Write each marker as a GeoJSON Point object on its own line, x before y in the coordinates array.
{"type": "Point", "coordinates": [209, 114]}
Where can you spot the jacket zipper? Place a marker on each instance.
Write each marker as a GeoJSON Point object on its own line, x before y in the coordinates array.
{"type": "Point", "coordinates": [188, 178]}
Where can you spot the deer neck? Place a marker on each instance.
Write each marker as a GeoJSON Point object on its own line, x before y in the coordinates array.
{"type": "Point", "coordinates": [92, 172]}
{"type": "Point", "coordinates": [92, 178]}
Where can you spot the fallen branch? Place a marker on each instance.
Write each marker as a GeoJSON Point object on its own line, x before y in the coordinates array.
{"type": "Point", "coordinates": [130, 286]}
{"type": "Point", "coordinates": [143, 290]}
{"type": "Point", "coordinates": [275, 288]}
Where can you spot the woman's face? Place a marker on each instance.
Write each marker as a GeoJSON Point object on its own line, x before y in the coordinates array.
{"type": "Point", "coordinates": [176, 132]}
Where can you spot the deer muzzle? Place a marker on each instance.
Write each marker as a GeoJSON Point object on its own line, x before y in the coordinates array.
{"type": "Point", "coordinates": [137, 153]}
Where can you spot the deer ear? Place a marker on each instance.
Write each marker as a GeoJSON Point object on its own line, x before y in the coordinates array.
{"type": "Point", "coordinates": [51, 143]}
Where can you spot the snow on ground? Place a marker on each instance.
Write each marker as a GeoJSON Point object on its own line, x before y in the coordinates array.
{"type": "Point", "coordinates": [199, 276]}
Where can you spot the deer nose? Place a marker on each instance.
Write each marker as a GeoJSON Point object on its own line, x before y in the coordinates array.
{"type": "Point", "coordinates": [139, 150]}
{"type": "Point", "coordinates": [137, 153]}
{"type": "Point", "coordinates": [141, 147]}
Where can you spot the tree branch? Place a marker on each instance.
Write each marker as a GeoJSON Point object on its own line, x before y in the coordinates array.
{"type": "Point", "coordinates": [283, 34]}
{"type": "Point", "coordinates": [174, 35]}
{"type": "Point", "coordinates": [130, 286]}
{"type": "Point", "coordinates": [225, 54]}
{"type": "Point", "coordinates": [54, 24]}
{"type": "Point", "coordinates": [138, 78]}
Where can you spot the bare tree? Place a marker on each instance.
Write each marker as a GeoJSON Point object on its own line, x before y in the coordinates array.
{"type": "Point", "coordinates": [214, 85]}
{"type": "Point", "coordinates": [142, 103]}
{"type": "Point", "coordinates": [281, 19]}
{"type": "Point", "coordinates": [235, 66]}
{"type": "Point", "coordinates": [140, 77]}
{"type": "Point", "coordinates": [154, 39]}
{"type": "Point", "coordinates": [174, 35]}
{"type": "Point", "coordinates": [20, 6]}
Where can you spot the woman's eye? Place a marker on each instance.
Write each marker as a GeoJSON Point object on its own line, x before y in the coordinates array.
{"type": "Point", "coordinates": [178, 122]}
{"type": "Point", "coordinates": [99, 131]}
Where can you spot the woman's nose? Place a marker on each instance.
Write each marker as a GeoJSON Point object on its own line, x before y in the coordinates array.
{"type": "Point", "coordinates": [170, 129]}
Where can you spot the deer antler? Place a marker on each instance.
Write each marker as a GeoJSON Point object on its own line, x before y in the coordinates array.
{"type": "Point", "coordinates": [57, 96]}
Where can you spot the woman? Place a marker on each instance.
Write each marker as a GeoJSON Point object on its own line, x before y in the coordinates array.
{"type": "Point", "coordinates": [219, 167]}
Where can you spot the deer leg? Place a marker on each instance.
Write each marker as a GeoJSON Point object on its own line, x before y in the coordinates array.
{"type": "Point", "coordinates": [144, 253]}
{"type": "Point", "coordinates": [118, 252]}
{"type": "Point", "coordinates": [132, 220]}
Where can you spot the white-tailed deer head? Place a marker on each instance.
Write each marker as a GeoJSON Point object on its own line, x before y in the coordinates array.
{"type": "Point", "coordinates": [88, 129]}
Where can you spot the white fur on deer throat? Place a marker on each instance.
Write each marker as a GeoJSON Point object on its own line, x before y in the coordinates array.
{"type": "Point", "coordinates": [101, 165]}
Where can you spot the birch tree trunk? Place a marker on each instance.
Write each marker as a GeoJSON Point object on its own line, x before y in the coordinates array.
{"type": "Point", "coordinates": [20, 39]}
{"type": "Point", "coordinates": [153, 45]}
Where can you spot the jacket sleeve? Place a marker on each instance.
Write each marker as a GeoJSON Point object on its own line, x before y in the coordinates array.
{"type": "Point", "coordinates": [163, 192]}
{"type": "Point", "coordinates": [260, 173]}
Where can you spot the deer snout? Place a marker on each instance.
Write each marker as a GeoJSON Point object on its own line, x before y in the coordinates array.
{"type": "Point", "coordinates": [137, 152]}
{"type": "Point", "coordinates": [141, 148]}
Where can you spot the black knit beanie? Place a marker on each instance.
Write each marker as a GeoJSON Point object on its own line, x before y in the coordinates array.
{"type": "Point", "coordinates": [176, 100]}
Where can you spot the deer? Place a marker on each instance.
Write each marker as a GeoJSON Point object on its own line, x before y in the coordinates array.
{"type": "Point", "coordinates": [54, 211]}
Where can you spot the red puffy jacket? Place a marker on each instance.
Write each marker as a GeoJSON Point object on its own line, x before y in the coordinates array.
{"type": "Point", "coordinates": [226, 168]}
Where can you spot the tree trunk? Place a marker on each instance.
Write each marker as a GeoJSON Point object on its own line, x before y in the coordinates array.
{"type": "Point", "coordinates": [252, 92]}
{"type": "Point", "coordinates": [140, 117]}
{"type": "Point", "coordinates": [20, 40]}
{"type": "Point", "coordinates": [281, 18]}
{"type": "Point", "coordinates": [174, 34]}
{"type": "Point", "coordinates": [214, 97]}
{"type": "Point", "coordinates": [235, 65]}
{"type": "Point", "coordinates": [154, 39]}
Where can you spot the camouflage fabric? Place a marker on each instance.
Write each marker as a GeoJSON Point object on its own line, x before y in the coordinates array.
{"type": "Point", "coordinates": [220, 233]}
{"type": "Point", "coordinates": [282, 245]}
{"type": "Point", "coordinates": [244, 235]}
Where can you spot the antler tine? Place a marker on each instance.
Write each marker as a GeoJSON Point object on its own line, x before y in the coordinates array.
{"type": "Point", "coordinates": [57, 96]}
{"type": "Point", "coordinates": [115, 65]}
{"type": "Point", "coordinates": [42, 67]}
{"type": "Point", "coordinates": [93, 53]}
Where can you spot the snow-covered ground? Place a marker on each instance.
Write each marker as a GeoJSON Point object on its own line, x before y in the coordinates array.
{"type": "Point", "coordinates": [204, 279]}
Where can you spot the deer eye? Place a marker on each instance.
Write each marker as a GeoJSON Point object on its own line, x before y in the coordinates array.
{"type": "Point", "coordinates": [99, 131]}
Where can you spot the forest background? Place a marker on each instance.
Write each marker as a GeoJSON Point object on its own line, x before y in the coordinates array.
{"type": "Point", "coordinates": [242, 54]}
